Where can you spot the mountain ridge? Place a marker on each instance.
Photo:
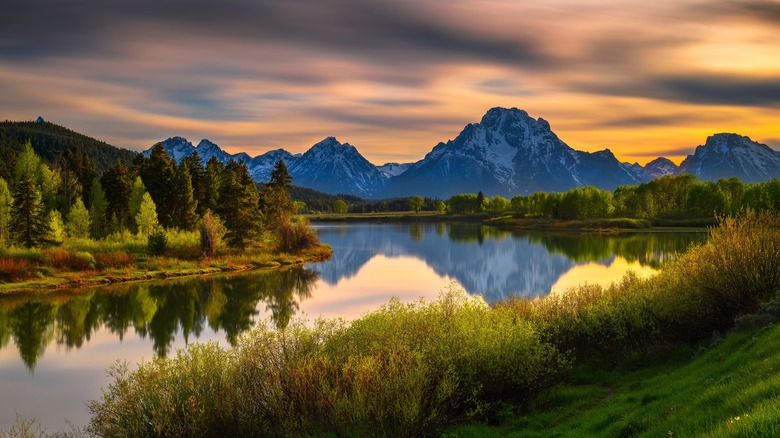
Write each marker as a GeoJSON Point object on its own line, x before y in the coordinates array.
{"type": "Point", "coordinates": [506, 153]}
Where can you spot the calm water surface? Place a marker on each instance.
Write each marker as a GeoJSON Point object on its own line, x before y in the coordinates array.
{"type": "Point", "coordinates": [54, 349]}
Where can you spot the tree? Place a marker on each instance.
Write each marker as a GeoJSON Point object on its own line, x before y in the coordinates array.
{"type": "Point", "coordinates": [79, 222]}
{"type": "Point", "coordinates": [278, 207]}
{"type": "Point", "coordinates": [416, 203]}
{"type": "Point", "coordinates": [134, 206]}
{"type": "Point", "coordinates": [340, 206]}
{"type": "Point", "coordinates": [97, 211]}
{"type": "Point", "coordinates": [146, 218]}
{"type": "Point", "coordinates": [56, 228]}
{"type": "Point", "coordinates": [480, 200]}
{"type": "Point", "coordinates": [198, 180]}
{"type": "Point", "coordinates": [213, 181]}
{"type": "Point", "coordinates": [157, 174]}
{"type": "Point", "coordinates": [6, 201]}
{"type": "Point", "coordinates": [239, 205]}
{"type": "Point", "coordinates": [29, 223]}
{"type": "Point", "coordinates": [212, 230]}
{"type": "Point", "coordinates": [441, 207]}
{"type": "Point", "coordinates": [117, 187]}
{"type": "Point", "coordinates": [183, 205]}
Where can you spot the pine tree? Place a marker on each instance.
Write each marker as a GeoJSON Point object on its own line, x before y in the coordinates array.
{"type": "Point", "coordinates": [29, 222]}
{"type": "Point", "coordinates": [117, 186]}
{"type": "Point", "coordinates": [213, 181]}
{"type": "Point", "coordinates": [198, 179]}
{"type": "Point", "coordinates": [183, 204]}
{"type": "Point", "coordinates": [277, 204]}
{"type": "Point", "coordinates": [157, 174]}
{"type": "Point", "coordinates": [98, 210]}
{"type": "Point", "coordinates": [238, 205]}
{"type": "Point", "coordinates": [146, 218]}
{"type": "Point", "coordinates": [5, 212]}
{"type": "Point", "coordinates": [79, 223]}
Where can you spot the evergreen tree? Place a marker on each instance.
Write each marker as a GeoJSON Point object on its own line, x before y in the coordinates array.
{"type": "Point", "coordinates": [198, 180]}
{"type": "Point", "coordinates": [29, 222]}
{"type": "Point", "coordinates": [146, 218]}
{"type": "Point", "coordinates": [117, 187]}
{"type": "Point", "coordinates": [79, 223]}
{"type": "Point", "coordinates": [213, 181]}
{"type": "Point", "coordinates": [183, 205]}
{"type": "Point", "coordinates": [480, 200]}
{"type": "Point", "coordinates": [98, 210]}
{"type": "Point", "coordinates": [277, 203]}
{"type": "Point", "coordinates": [75, 166]}
{"type": "Point", "coordinates": [238, 205]}
{"type": "Point", "coordinates": [441, 207]}
{"type": "Point", "coordinates": [157, 174]}
{"type": "Point", "coordinates": [6, 201]}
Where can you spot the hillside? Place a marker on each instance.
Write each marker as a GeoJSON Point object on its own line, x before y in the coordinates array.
{"type": "Point", "coordinates": [50, 141]}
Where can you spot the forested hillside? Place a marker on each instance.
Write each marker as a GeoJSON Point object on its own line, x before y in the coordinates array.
{"type": "Point", "coordinates": [50, 142]}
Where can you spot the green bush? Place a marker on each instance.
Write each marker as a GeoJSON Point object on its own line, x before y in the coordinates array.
{"type": "Point", "coordinates": [297, 236]}
{"type": "Point", "coordinates": [157, 242]}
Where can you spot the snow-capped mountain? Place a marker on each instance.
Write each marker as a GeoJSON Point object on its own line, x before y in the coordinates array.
{"type": "Point", "coordinates": [508, 153]}
{"type": "Point", "coordinates": [394, 169]}
{"type": "Point", "coordinates": [335, 168]}
{"type": "Point", "coordinates": [728, 155]}
{"type": "Point", "coordinates": [261, 166]}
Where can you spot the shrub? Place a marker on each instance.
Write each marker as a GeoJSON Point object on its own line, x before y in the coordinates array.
{"type": "Point", "coordinates": [297, 236]}
{"type": "Point", "coordinates": [212, 230]}
{"type": "Point", "coordinates": [114, 259]}
{"type": "Point", "coordinates": [12, 270]}
{"type": "Point", "coordinates": [69, 260]}
{"type": "Point", "coordinates": [157, 242]}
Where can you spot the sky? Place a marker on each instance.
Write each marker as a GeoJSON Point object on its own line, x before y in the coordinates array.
{"type": "Point", "coordinates": [394, 77]}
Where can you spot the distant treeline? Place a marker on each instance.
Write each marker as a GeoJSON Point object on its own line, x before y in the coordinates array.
{"type": "Point", "coordinates": [51, 142]}
{"type": "Point", "coordinates": [669, 197]}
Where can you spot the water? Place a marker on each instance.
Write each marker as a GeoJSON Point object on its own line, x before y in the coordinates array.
{"type": "Point", "coordinates": [55, 348]}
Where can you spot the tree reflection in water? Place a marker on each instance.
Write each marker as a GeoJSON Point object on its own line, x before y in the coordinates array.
{"type": "Point", "coordinates": [157, 310]}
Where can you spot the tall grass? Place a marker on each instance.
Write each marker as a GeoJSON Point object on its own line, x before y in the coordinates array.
{"type": "Point", "coordinates": [413, 369]}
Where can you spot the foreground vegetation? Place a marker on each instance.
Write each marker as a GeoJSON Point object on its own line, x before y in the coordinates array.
{"type": "Point", "coordinates": [723, 388]}
{"type": "Point", "coordinates": [417, 369]}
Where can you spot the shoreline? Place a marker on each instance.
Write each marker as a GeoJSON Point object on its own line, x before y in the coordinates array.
{"type": "Point", "coordinates": [79, 279]}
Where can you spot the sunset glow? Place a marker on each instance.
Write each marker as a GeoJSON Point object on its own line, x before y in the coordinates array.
{"type": "Point", "coordinates": [395, 78]}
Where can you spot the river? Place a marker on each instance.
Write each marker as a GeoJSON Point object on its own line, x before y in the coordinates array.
{"type": "Point", "coordinates": [55, 348]}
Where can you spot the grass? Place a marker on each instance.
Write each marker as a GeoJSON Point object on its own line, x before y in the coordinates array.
{"type": "Point", "coordinates": [731, 389]}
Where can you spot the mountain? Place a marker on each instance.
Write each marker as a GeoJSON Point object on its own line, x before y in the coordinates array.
{"type": "Point", "coordinates": [394, 169]}
{"type": "Point", "coordinates": [507, 153]}
{"type": "Point", "coordinates": [660, 167]}
{"type": "Point", "coordinates": [728, 155]}
{"type": "Point", "coordinates": [261, 166]}
{"type": "Point", "coordinates": [332, 167]}
{"type": "Point", "coordinates": [50, 141]}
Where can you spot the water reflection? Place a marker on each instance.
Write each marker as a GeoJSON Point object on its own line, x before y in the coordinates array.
{"type": "Point", "coordinates": [155, 310]}
{"type": "Point", "coordinates": [489, 261]}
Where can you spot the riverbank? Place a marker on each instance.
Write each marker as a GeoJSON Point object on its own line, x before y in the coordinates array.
{"type": "Point", "coordinates": [40, 271]}
{"type": "Point", "coordinates": [417, 369]}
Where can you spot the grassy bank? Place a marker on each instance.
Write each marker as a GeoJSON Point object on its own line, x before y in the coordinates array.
{"type": "Point", "coordinates": [80, 262]}
{"type": "Point", "coordinates": [726, 387]}
{"type": "Point", "coordinates": [418, 369]}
